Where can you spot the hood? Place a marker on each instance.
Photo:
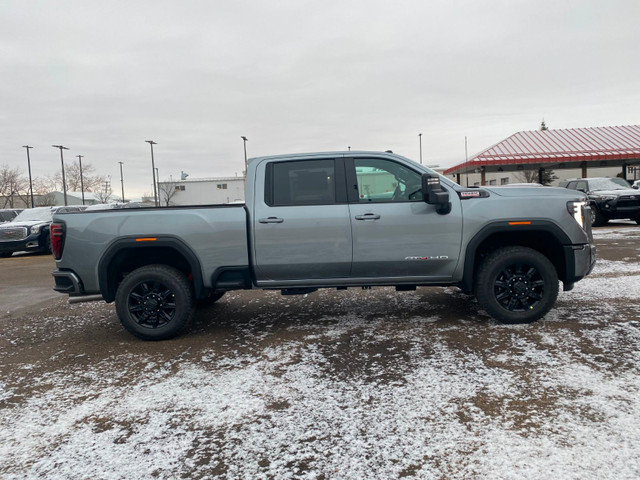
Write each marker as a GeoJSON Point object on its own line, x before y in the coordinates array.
{"type": "Point", "coordinates": [617, 192]}
{"type": "Point", "coordinates": [535, 192]}
{"type": "Point", "coordinates": [26, 223]}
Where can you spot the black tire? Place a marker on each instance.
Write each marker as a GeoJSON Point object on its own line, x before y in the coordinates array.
{"type": "Point", "coordinates": [5, 254]}
{"type": "Point", "coordinates": [637, 219]}
{"type": "Point", "coordinates": [598, 218]}
{"type": "Point", "coordinates": [516, 285]}
{"type": "Point", "coordinates": [155, 302]}
{"type": "Point", "coordinates": [47, 244]}
{"type": "Point", "coordinates": [210, 300]}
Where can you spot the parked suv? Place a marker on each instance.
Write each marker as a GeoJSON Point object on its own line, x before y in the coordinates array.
{"type": "Point", "coordinates": [608, 198]}
{"type": "Point", "coordinates": [29, 231]}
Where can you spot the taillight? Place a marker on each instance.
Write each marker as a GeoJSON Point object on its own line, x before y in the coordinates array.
{"type": "Point", "coordinates": [57, 239]}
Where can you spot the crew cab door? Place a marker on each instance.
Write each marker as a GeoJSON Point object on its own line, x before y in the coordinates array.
{"type": "Point", "coordinates": [395, 233]}
{"type": "Point", "coordinates": [301, 224]}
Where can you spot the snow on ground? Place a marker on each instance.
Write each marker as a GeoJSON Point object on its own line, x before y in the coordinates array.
{"type": "Point", "coordinates": [337, 385]}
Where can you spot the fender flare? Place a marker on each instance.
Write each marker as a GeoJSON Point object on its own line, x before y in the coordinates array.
{"type": "Point", "coordinates": [129, 242]}
{"type": "Point", "coordinates": [505, 226]}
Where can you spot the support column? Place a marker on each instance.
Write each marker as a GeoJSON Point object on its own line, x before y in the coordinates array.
{"type": "Point", "coordinates": [584, 169]}
{"type": "Point", "coordinates": [540, 174]}
{"type": "Point", "coordinates": [458, 178]}
{"type": "Point", "coordinates": [483, 180]}
{"type": "Point", "coordinates": [624, 171]}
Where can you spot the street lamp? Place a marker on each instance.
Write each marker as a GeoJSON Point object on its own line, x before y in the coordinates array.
{"type": "Point", "coordinates": [244, 140]}
{"type": "Point", "coordinates": [121, 181]}
{"type": "Point", "coordinates": [81, 179]}
{"type": "Point", "coordinates": [420, 137]}
{"type": "Point", "coordinates": [153, 171]}
{"type": "Point", "coordinates": [29, 164]}
{"type": "Point", "coordinates": [64, 182]}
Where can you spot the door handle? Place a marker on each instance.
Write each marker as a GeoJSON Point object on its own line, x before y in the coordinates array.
{"type": "Point", "coordinates": [368, 216]}
{"type": "Point", "coordinates": [271, 220]}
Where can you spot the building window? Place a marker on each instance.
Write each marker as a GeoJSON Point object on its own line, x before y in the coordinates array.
{"type": "Point", "coordinates": [179, 188]}
{"type": "Point", "coordinates": [476, 184]}
{"type": "Point", "coordinates": [222, 186]}
{"type": "Point", "coordinates": [504, 181]}
{"type": "Point", "coordinates": [492, 182]}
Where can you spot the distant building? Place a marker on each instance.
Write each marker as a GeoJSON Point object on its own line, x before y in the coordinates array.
{"type": "Point", "coordinates": [202, 191]}
{"type": "Point", "coordinates": [569, 153]}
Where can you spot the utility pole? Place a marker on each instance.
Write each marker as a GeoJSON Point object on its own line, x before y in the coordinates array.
{"type": "Point", "coordinates": [81, 179]}
{"type": "Point", "coordinates": [420, 137]}
{"type": "Point", "coordinates": [64, 183]}
{"type": "Point", "coordinates": [153, 171]}
{"type": "Point", "coordinates": [121, 181]}
{"type": "Point", "coordinates": [29, 164]}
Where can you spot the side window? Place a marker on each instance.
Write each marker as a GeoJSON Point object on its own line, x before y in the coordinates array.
{"type": "Point", "coordinates": [582, 186]}
{"type": "Point", "coordinates": [306, 182]}
{"type": "Point", "coordinates": [381, 180]}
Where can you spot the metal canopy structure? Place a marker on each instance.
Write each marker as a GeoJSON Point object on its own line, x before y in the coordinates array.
{"type": "Point", "coordinates": [558, 149]}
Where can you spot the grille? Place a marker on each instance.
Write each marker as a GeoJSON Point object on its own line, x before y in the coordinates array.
{"type": "Point", "coordinates": [16, 233]}
{"type": "Point", "coordinates": [629, 201]}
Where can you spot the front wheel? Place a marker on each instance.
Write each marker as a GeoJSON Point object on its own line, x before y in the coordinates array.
{"type": "Point", "coordinates": [155, 302]}
{"type": "Point", "coordinates": [517, 285]}
{"type": "Point", "coordinates": [598, 219]}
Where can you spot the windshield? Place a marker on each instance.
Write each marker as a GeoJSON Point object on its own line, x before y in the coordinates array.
{"type": "Point", "coordinates": [605, 184]}
{"type": "Point", "coordinates": [43, 214]}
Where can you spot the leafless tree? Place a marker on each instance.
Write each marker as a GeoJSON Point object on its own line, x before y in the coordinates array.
{"type": "Point", "coordinates": [167, 192]}
{"type": "Point", "coordinates": [12, 187]}
{"type": "Point", "coordinates": [531, 176]}
{"type": "Point", "coordinates": [92, 182]}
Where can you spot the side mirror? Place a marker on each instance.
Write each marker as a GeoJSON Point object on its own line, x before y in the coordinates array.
{"type": "Point", "coordinates": [583, 190]}
{"type": "Point", "coordinates": [434, 194]}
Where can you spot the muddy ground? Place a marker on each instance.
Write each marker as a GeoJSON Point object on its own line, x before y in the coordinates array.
{"type": "Point", "coordinates": [354, 384]}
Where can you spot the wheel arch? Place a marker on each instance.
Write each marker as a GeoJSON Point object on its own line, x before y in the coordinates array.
{"type": "Point", "coordinates": [543, 236]}
{"type": "Point", "coordinates": [127, 254]}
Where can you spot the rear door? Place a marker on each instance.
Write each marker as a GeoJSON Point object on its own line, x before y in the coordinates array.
{"type": "Point", "coordinates": [395, 233]}
{"type": "Point", "coordinates": [302, 228]}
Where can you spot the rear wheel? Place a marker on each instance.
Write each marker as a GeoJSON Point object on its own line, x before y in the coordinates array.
{"type": "Point", "coordinates": [517, 285]}
{"type": "Point", "coordinates": [155, 302]}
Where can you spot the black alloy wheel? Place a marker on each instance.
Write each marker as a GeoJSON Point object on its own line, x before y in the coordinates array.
{"type": "Point", "coordinates": [152, 304]}
{"type": "Point", "coordinates": [519, 287]}
{"type": "Point", "coordinates": [516, 285]}
{"type": "Point", "coordinates": [155, 302]}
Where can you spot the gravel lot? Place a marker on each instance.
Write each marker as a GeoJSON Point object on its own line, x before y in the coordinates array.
{"type": "Point", "coordinates": [350, 384]}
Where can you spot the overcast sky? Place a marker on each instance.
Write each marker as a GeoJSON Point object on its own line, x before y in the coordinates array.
{"type": "Point", "coordinates": [101, 77]}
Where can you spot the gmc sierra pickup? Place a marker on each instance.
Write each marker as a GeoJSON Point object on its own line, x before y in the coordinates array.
{"type": "Point", "coordinates": [321, 220]}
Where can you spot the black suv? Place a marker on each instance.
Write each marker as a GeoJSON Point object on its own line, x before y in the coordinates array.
{"type": "Point", "coordinates": [608, 198]}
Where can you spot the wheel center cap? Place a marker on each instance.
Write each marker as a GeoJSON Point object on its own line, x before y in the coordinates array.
{"type": "Point", "coordinates": [519, 287]}
{"type": "Point", "coordinates": [151, 304]}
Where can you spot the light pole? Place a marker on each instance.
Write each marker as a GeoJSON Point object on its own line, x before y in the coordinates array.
{"type": "Point", "coordinates": [420, 137]}
{"type": "Point", "coordinates": [29, 164]}
{"type": "Point", "coordinates": [158, 184]}
{"type": "Point", "coordinates": [153, 172]}
{"type": "Point", "coordinates": [81, 179]}
{"type": "Point", "coordinates": [64, 182]}
{"type": "Point", "coordinates": [121, 181]}
{"type": "Point", "coordinates": [244, 140]}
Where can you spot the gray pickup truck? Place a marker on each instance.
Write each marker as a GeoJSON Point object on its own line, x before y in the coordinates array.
{"type": "Point", "coordinates": [329, 220]}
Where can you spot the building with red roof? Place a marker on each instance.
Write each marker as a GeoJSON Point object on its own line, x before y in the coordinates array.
{"type": "Point", "coordinates": [546, 149]}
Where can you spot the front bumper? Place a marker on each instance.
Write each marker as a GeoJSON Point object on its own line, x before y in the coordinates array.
{"type": "Point", "coordinates": [580, 260]}
{"type": "Point", "coordinates": [28, 244]}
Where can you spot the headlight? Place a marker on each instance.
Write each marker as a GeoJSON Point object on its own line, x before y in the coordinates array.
{"type": "Point", "coordinates": [576, 209]}
{"type": "Point", "coordinates": [36, 229]}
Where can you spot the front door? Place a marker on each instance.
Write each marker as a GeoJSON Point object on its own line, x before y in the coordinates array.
{"type": "Point", "coordinates": [395, 233]}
